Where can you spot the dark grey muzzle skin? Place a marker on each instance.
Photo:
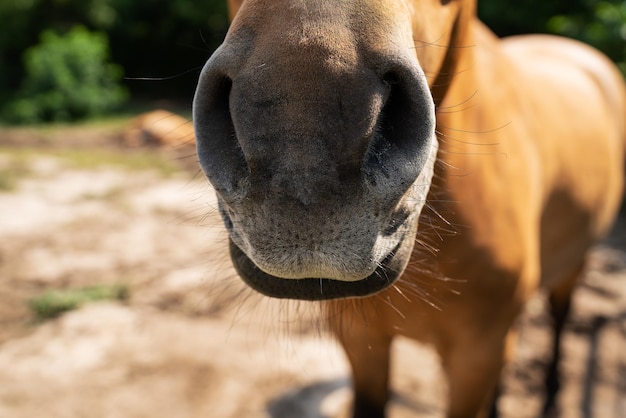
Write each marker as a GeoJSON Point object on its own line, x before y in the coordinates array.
{"type": "Point", "coordinates": [321, 163]}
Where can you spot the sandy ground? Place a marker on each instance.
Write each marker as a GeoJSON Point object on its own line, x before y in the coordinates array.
{"type": "Point", "coordinates": [190, 341]}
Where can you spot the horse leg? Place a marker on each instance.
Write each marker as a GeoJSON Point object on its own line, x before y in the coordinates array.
{"type": "Point", "coordinates": [560, 298]}
{"type": "Point", "coordinates": [369, 359]}
{"type": "Point", "coordinates": [473, 370]}
{"type": "Point", "coordinates": [493, 411]}
{"type": "Point", "coordinates": [368, 352]}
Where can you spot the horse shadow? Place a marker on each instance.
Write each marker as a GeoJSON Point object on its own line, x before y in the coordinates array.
{"type": "Point", "coordinates": [306, 401]}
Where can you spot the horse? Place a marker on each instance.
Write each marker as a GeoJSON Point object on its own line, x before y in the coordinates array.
{"type": "Point", "coordinates": [418, 176]}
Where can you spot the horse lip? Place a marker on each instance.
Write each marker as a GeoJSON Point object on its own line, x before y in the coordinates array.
{"type": "Point", "coordinates": [313, 289]}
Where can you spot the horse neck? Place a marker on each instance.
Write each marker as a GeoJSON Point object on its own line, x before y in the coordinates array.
{"type": "Point", "coordinates": [462, 131]}
{"type": "Point", "coordinates": [469, 91]}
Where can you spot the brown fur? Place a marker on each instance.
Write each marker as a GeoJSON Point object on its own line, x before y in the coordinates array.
{"type": "Point", "coordinates": [529, 174]}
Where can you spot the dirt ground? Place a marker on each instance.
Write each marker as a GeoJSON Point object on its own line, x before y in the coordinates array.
{"type": "Point", "coordinates": [190, 341]}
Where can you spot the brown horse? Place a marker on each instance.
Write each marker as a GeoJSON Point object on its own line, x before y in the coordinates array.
{"type": "Point", "coordinates": [397, 161]}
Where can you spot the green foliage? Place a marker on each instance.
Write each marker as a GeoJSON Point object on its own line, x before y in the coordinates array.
{"type": "Point", "coordinates": [53, 303]}
{"type": "Point", "coordinates": [600, 23]}
{"type": "Point", "coordinates": [11, 172]}
{"type": "Point", "coordinates": [155, 39]}
{"type": "Point", "coordinates": [524, 16]}
{"type": "Point", "coordinates": [132, 161]}
{"type": "Point", "coordinates": [161, 39]}
{"type": "Point", "coordinates": [604, 27]}
{"type": "Point", "coordinates": [167, 41]}
{"type": "Point", "coordinates": [67, 78]}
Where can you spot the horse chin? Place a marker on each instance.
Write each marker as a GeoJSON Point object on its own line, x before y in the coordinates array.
{"type": "Point", "coordinates": [316, 289]}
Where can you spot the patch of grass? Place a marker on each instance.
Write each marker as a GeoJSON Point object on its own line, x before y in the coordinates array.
{"type": "Point", "coordinates": [11, 173]}
{"type": "Point", "coordinates": [118, 119]}
{"type": "Point", "coordinates": [114, 193]}
{"type": "Point", "coordinates": [88, 159]}
{"type": "Point", "coordinates": [53, 131]}
{"type": "Point", "coordinates": [131, 160]}
{"type": "Point", "coordinates": [52, 303]}
{"type": "Point", "coordinates": [7, 182]}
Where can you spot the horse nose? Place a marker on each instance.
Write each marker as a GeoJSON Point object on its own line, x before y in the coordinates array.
{"type": "Point", "coordinates": [219, 153]}
{"type": "Point", "coordinates": [392, 155]}
{"type": "Point", "coordinates": [404, 138]}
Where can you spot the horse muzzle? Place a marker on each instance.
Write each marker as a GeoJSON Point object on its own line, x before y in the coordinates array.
{"type": "Point", "coordinates": [321, 154]}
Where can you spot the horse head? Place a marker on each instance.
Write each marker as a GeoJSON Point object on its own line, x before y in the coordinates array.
{"type": "Point", "coordinates": [315, 124]}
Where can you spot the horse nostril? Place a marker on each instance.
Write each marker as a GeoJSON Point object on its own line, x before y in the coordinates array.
{"type": "Point", "coordinates": [390, 78]}
{"type": "Point", "coordinates": [399, 148]}
{"type": "Point", "coordinates": [219, 152]}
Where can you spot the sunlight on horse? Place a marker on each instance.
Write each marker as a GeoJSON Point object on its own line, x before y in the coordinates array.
{"type": "Point", "coordinates": [421, 177]}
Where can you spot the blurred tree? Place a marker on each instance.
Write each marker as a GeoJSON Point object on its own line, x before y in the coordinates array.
{"type": "Point", "coordinates": [527, 16]}
{"type": "Point", "coordinates": [601, 23]}
{"type": "Point", "coordinates": [167, 41]}
{"type": "Point", "coordinates": [67, 78]}
{"type": "Point", "coordinates": [150, 38]}
{"type": "Point", "coordinates": [605, 27]}
{"type": "Point", "coordinates": [160, 39]}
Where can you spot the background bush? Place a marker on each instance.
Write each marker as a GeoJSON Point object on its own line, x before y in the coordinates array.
{"type": "Point", "coordinates": [162, 44]}
{"type": "Point", "coordinates": [601, 23]}
{"type": "Point", "coordinates": [67, 77]}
